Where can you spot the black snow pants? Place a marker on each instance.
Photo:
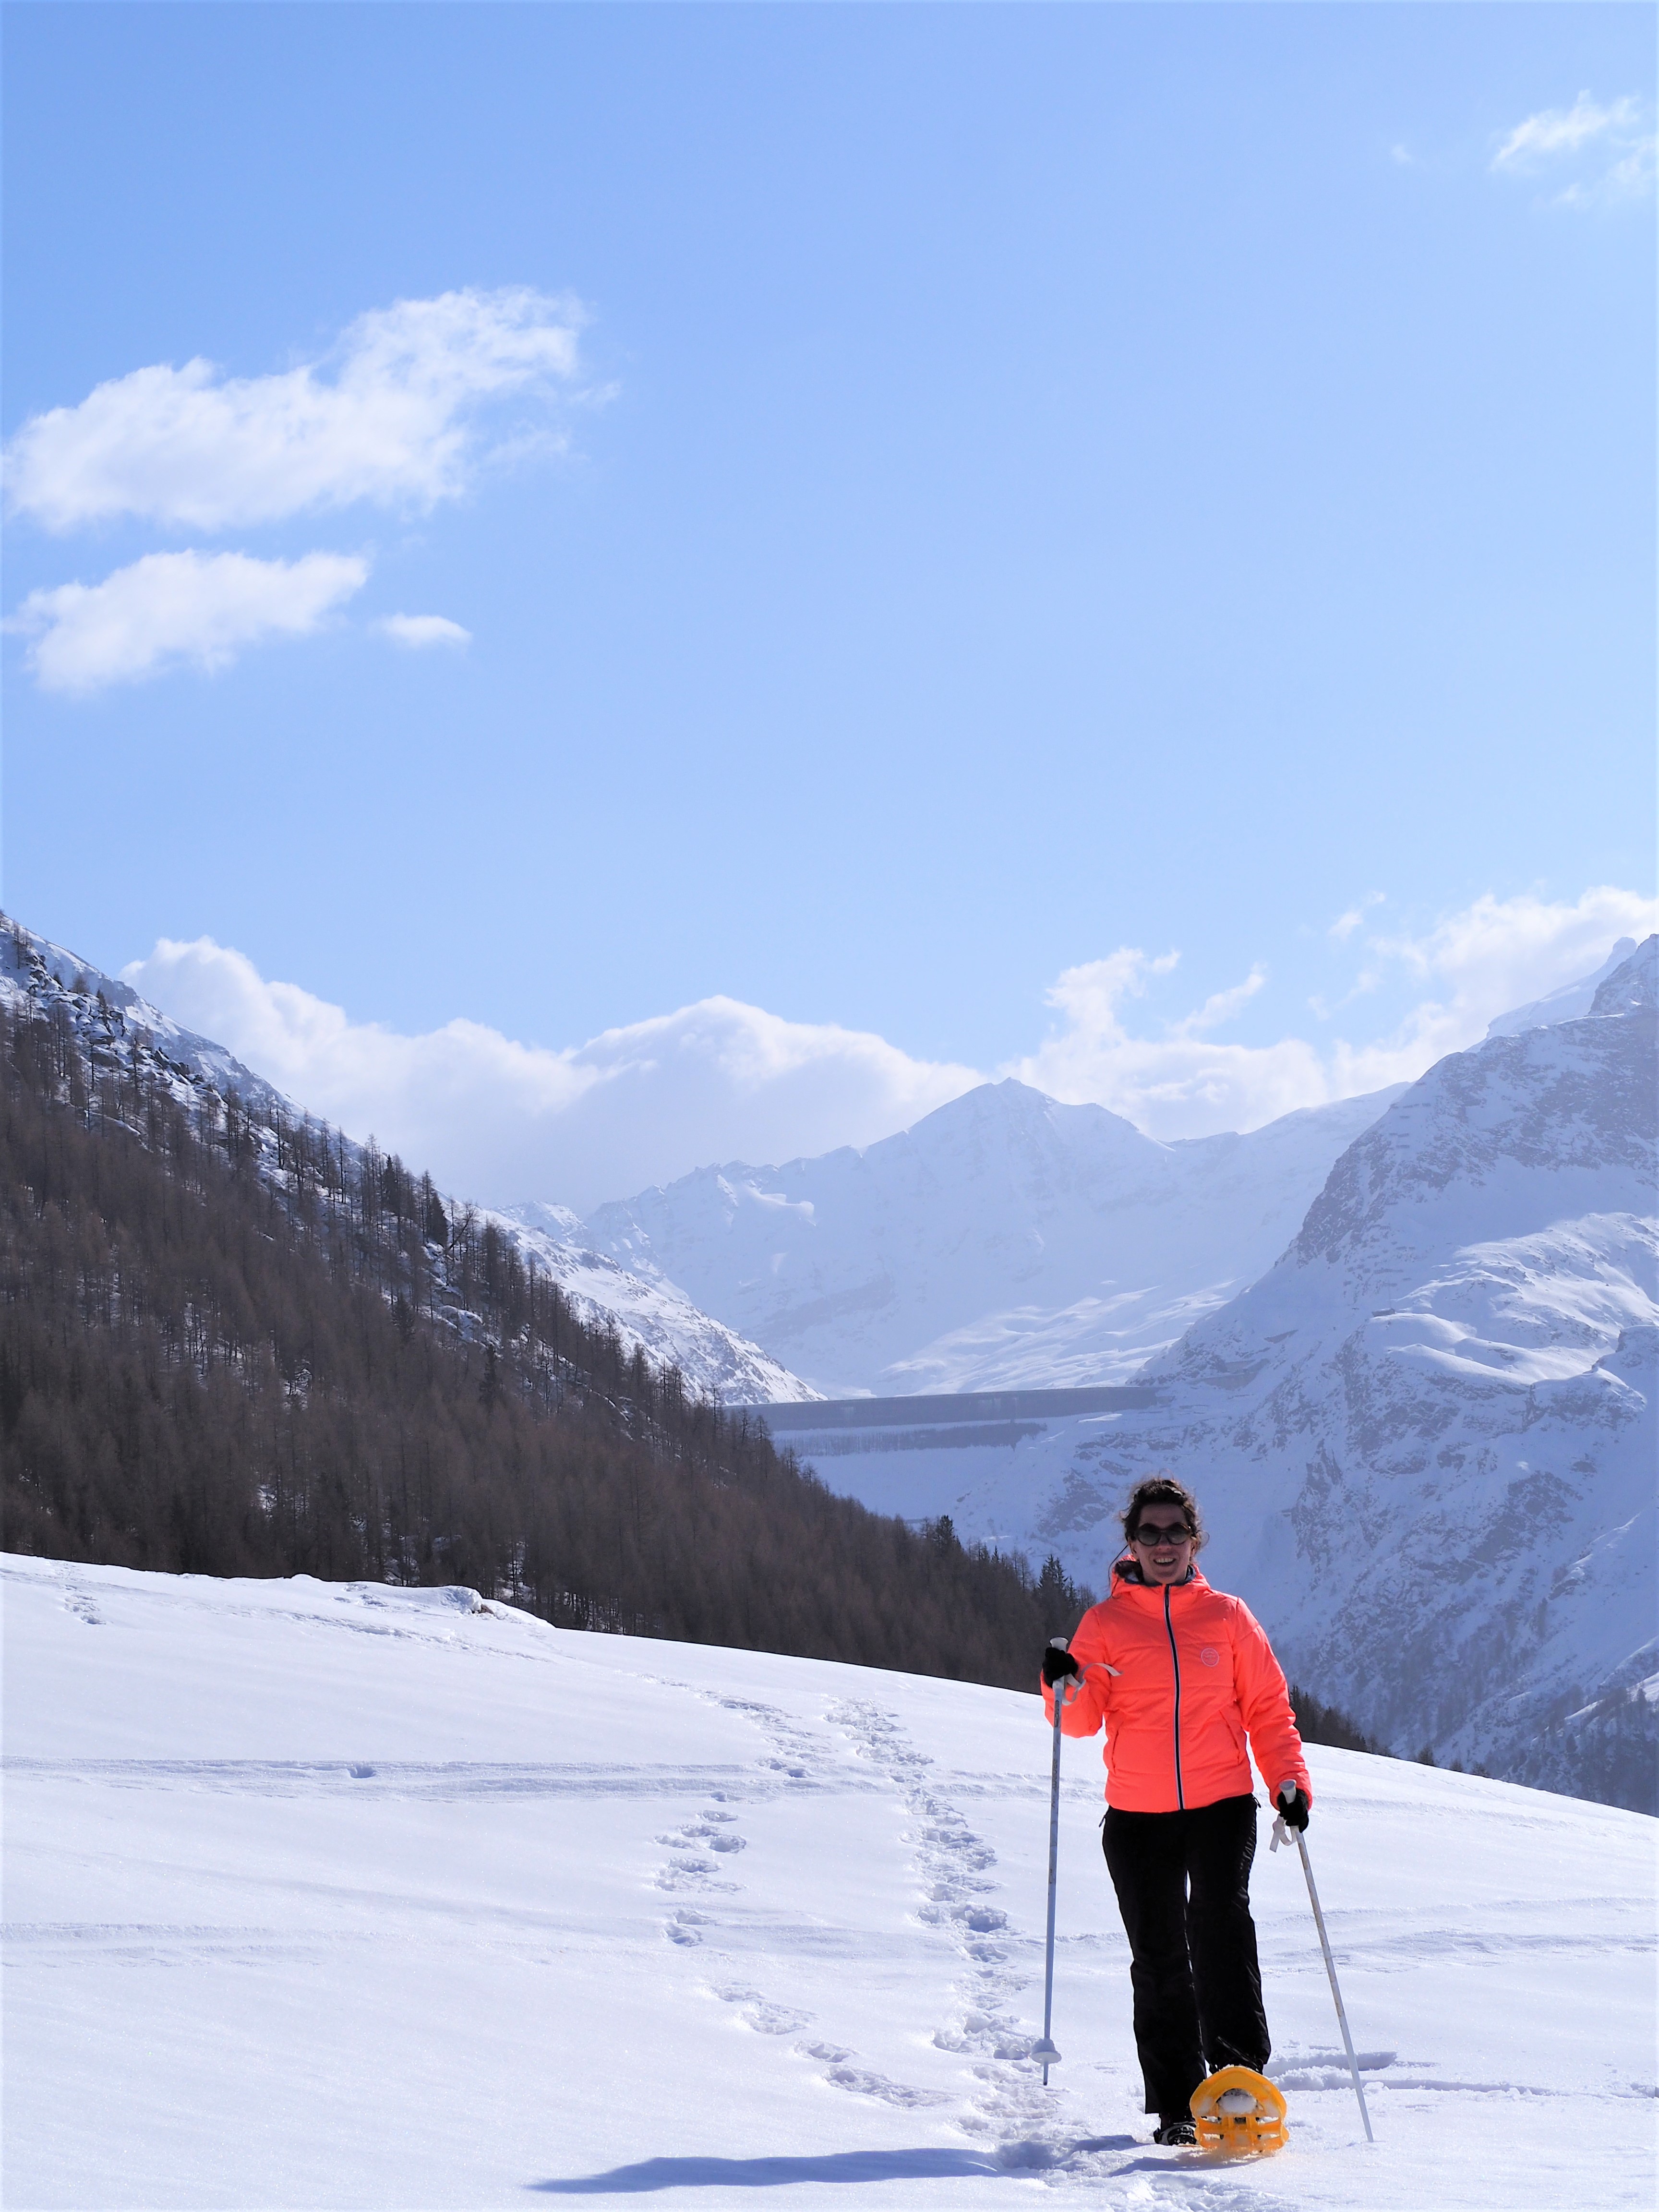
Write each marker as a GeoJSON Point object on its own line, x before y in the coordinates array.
{"type": "Point", "coordinates": [1197, 1985]}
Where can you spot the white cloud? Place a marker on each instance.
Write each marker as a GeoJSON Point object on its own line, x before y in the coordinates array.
{"type": "Point", "coordinates": [1221, 1005]}
{"type": "Point", "coordinates": [499, 1121]}
{"type": "Point", "coordinates": [417, 631]}
{"type": "Point", "coordinates": [1500, 953]}
{"type": "Point", "coordinates": [1629, 178]}
{"type": "Point", "coordinates": [171, 607]}
{"type": "Point", "coordinates": [1473, 965]}
{"type": "Point", "coordinates": [394, 424]}
{"type": "Point", "coordinates": [1609, 142]}
{"type": "Point", "coordinates": [1088, 995]}
{"type": "Point", "coordinates": [1561, 131]}
{"type": "Point", "coordinates": [1179, 1084]}
{"type": "Point", "coordinates": [1346, 924]}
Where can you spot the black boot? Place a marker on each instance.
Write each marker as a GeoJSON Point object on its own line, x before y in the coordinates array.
{"type": "Point", "coordinates": [1175, 2130]}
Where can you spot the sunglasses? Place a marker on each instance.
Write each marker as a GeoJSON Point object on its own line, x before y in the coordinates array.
{"type": "Point", "coordinates": [1152, 1532]}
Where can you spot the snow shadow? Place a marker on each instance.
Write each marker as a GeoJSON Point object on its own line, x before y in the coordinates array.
{"type": "Point", "coordinates": [854, 2166]}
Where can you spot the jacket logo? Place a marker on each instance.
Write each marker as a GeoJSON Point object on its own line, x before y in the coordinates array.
{"type": "Point", "coordinates": [1209, 1658]}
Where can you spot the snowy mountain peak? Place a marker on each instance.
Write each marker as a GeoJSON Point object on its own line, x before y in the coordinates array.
{"type": "Point", "coordinates": [1006, 1240]}
{"type": "Point", "coordinates": [1572, 1103]}
{"type": "Point", "coordinates": [1634, 984]}
{"type": "Point", "coordinates": [555, 1221]}
{"type": "Point", "coordinates": [1012, 1109]}
{"type": "Point", "coordinates": [1568, 1004]}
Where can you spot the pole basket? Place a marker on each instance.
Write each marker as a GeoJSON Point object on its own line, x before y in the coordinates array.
{"type": "Point", "coordinates": [1238, 2110]}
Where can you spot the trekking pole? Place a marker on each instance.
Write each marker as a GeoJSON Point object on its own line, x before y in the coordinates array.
{"type": "Point", "coordinates": [1280, 1837]}
{"type": "Point", "coordinates": [1045, 2050]}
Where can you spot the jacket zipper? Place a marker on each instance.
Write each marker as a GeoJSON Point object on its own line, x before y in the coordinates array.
{"type": "Point", "coordinates": [1175, 1658]}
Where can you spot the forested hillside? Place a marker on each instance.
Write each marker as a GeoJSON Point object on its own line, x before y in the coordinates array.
{"type": "Point", "coordinates": [235, 1344]}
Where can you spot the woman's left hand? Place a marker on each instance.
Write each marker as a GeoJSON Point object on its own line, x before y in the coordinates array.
{"type": "Point", "coordinates": [1293, 1807]}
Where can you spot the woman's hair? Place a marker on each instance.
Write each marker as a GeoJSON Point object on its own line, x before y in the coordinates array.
{"type": "Point", "coordinates": [1162, 1490]}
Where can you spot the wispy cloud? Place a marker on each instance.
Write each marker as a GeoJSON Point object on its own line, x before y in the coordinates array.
{"type": "Point", "coordinates": [1346, 924]}
{"type": "Point", "coordinates": [1562, 130]}
{"type": "Point", "coordinates": [1473, 965]}
{"type": "Point", "coordinates": [168, 608]}
{"type": "Point", "coordinates": [1498, 953]}
{"type": "Point", "coordinates": [1179, 1083]}
{"type": "Point", "coordinates": [416, 632]}
{"type": "Point", "coordinates": [1610, 145]}
{"type": "Point", "coordinates": [1220, 1006]}
{"type": "Point", "coordinates": [391, 418]}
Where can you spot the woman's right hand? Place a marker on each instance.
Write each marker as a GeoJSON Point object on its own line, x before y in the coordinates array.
{"type": "Point", "coordinates": [1057, 1664]}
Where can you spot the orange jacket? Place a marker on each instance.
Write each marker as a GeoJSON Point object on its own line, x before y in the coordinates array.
{"type": "Point", "coordinates": [1177, 1676]}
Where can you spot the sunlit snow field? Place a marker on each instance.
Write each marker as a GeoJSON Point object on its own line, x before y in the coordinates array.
{"type": "Point", "coordinates": [330, 1896]}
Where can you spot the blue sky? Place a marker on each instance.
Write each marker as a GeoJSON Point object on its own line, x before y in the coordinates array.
{"type": "Point", "coordinates": [973, 493]}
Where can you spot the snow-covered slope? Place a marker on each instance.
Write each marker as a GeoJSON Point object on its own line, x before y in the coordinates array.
{"type": "Point", "coordinates": [714, 1359]}
{"type": "Point", "coordinates": [343, 1897]}
{"type": "Point", "coordinates": [1005, 1241]}
{"type": "Point", "coordinates": [1425, 1439]}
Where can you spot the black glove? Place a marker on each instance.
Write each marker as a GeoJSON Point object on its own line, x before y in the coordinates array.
{"type": "Point", "coordinates": [1057, 1664]}
{"type": "Point", "coordinates": [1294, 1810]}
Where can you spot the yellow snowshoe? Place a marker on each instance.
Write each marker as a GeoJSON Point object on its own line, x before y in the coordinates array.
{"type": "Point", "coordinates": [1239, 2110]}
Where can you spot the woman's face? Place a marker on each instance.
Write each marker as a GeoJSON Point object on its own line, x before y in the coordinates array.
{"type": "Point", "coordinates": [1162, 1543]}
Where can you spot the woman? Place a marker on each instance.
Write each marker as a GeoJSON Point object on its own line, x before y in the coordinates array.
{"type": "Point", "coordinates": [1179, 1674]}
